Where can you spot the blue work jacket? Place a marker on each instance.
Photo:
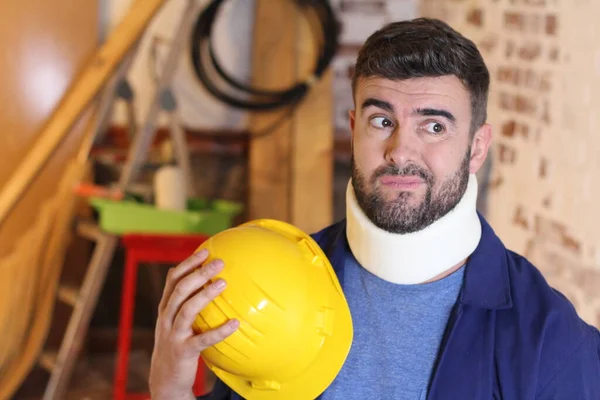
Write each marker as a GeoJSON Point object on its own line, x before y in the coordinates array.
{"type": "Point", "coordinates": [510, 335]}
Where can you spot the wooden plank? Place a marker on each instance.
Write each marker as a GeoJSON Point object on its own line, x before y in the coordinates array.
{"type": "Point", "coordinates": [291, 171]}
{"type": "Point", "coordinates": [89, 230]}
{"type": "Point", "coordinates": [48, 360]}
{"type": "Point", "coordinates": [68, 294]}
{"type": "Point", "coordinates": [273, 67]}
{"type": "Point", "coordinates": [77, 99]}
{"type": "Point", "coordinates": [312, 143]}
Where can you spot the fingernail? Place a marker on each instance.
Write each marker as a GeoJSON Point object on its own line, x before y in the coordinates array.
{"type": "Point", "coordinates": [233, 324]}
{"type": "Point", "coordinates": [217, 265]}
{"type": "Point", "coordinates": [202, 253]}
{"type": "Point", "coordinates": [219, 284]}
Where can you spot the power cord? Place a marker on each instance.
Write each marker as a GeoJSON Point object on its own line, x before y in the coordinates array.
{"type": "Point", "coordinates": [202, 52]}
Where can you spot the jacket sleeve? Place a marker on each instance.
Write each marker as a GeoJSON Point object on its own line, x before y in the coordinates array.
{"type": "Point", "coordinates": [579, 377]}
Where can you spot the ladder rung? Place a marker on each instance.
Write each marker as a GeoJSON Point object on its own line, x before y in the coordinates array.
{"type": "Point", "coordinates": [48, 360]}
{"type": "Point", "coordinates": [68, 294]}
{"type": "Point", "coordinates": [89, 230]}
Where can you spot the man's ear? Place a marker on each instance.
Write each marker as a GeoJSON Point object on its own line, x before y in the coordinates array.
{"type": "Point", "coordinates": [480, 147]}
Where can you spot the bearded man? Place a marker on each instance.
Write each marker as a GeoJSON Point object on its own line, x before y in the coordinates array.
{"type": "Point", "coordinates": [441, 309]}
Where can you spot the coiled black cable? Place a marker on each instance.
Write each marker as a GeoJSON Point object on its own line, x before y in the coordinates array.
{"type": "Point", "coordinates": [263, 100]}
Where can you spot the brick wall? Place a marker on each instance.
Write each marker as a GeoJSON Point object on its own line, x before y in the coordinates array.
{"type": "Point", "coordinates": [545, 62]}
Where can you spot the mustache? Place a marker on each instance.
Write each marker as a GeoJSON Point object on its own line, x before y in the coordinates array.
{"type": "Point", "coordinates": [409, 170]}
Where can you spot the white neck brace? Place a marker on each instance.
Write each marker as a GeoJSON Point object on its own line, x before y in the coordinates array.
{"type": "Point", "coordinates": [414, 257]}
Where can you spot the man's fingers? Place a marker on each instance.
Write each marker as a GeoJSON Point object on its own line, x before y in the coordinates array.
{"type": "Point", "coordinates": [187, 286]}
{"type": "Point", "coordinates": [212, 337]}
{"type": "Point", "coordinates": [188, 312]}
{"type": "Point", "coordinates": [176, 273]}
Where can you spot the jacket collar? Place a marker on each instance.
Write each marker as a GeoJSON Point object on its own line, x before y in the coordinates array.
{"type": "Point", "coordinates": [486, 282]}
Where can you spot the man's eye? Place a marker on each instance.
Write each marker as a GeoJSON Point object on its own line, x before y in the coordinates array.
{"type": "Point", "coordinates": [381, 122]}
{"type": "Point", "coordinates": [435, 128]}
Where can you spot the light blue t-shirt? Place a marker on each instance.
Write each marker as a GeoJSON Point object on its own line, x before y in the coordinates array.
{"type": "Point", "coordinates": [398, 330]}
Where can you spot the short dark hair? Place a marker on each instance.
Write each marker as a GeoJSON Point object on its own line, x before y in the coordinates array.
{"type": "Point", "coordinates": [426, 47]}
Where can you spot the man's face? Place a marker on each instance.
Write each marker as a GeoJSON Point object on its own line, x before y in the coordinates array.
{"type": "Point", "coordinates": [412, 149]}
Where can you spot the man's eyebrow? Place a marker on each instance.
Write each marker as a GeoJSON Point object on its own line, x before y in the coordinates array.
{"type": "Point", "coordinates": [434, 112]}
{"type": "Point", "coordinates": [373, 102]}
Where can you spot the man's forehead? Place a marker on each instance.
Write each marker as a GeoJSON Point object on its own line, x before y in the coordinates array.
{"type": "Point", "coordinates": [448, 90]}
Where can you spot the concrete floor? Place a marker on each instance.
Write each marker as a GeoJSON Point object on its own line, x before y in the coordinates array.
{"type": "Point", "coordinates": [92, 378]}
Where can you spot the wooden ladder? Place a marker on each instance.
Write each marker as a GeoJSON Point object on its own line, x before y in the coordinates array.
{"type": "Point", "coordinates": [83, 299]}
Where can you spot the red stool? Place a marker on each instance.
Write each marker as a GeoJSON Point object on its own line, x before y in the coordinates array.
{"type": "Point", "coordinates": [141, 248]}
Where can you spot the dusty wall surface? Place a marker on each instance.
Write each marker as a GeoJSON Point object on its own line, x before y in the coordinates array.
{"type": "Point", "coordinates": [545, 64]}
{"type": "Point", "coordinates": [232, 37]}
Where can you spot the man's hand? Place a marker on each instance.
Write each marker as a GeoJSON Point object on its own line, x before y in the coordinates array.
{"type": "Point", "coordinates": [176, 346]}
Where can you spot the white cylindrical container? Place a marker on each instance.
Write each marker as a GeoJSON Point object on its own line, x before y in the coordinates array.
{"type": "Point", "coordinates": [169, 189]}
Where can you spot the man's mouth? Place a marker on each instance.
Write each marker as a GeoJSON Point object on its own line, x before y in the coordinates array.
{"type": "Point", "coordinates": [402, 182]}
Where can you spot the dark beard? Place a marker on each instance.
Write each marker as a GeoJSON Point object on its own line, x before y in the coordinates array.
{"type": "Point", "coordinates": [398, 216]}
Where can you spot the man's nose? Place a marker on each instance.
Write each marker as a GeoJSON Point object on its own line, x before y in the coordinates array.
{"type": "Point", "coordinates": [402, 148]}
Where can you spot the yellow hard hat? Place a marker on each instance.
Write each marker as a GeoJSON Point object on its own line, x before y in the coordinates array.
{"type": "Point", "coordinates": [295, 326]}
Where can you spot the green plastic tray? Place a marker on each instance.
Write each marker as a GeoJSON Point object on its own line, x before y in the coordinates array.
{"type": "Point", "coordinates": [119, 217]}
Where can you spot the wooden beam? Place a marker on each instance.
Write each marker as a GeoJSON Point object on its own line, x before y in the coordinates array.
{"type": "Point", "coordinates": [77, 99]}
{"type": "Point", "coordinates": [273, 67]}
{"type": "Point", "coordinates": [290, 170]}
{"type": "Point", "coordinates": [312, 142]}
{"type": "Point", "coordinates": [199, 141]}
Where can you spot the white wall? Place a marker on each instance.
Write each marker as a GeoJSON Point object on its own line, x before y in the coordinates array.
{"type": "Point", "coordinates": [198, 109]}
